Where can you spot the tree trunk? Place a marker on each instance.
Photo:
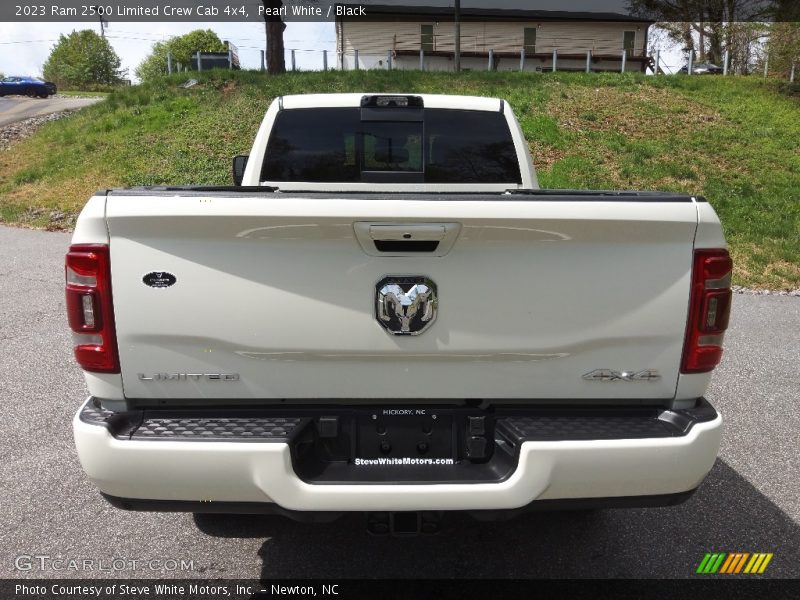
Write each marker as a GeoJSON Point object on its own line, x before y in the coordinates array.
{"type": "Point", "coordinates": [688, 39]}
{"type": "Point", "coordinates": [702, 42]}
{"type": "Point", "coordinates": [716, 42]}
{"type": "Point", "coordinates": [274, 26]}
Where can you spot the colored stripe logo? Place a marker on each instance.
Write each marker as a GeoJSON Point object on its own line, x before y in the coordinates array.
{"type": "Point", "coordinates": [734, 563]}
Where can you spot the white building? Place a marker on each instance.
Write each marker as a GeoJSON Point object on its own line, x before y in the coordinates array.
{"type": "Point", "coordinates": [396, 33]}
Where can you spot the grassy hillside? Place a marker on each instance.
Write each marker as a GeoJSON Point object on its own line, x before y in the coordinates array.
{"type": "Point", "coordinates": [734, 140]}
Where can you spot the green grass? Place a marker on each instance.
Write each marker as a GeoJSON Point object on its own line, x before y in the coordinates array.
{"type": "Point", "coordinates": [735, 140]}
{"type": "Point", "coordinates": [81, 94]}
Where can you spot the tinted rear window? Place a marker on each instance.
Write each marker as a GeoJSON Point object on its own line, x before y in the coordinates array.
{"type": "Point", "coordinates": [335, 145]}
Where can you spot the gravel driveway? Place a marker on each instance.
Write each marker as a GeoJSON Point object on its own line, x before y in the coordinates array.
{"type": "Point", "coordinates": [749, 502]}
{"type": "Point", "coordinates": [19, 108]}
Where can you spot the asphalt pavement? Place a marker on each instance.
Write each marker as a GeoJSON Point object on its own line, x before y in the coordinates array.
{"type": "Point", "coordinates": [19, 108]}
{"type": "Point", "coordinates": [749, 503]}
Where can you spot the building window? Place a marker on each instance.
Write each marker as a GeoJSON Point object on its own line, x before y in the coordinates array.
{"type": "Point", "coordinates": [426, 37]}
{"type": "Point", "coordinates": [530, 40]}
{"type": "Point", "coordinates": [629, 41]}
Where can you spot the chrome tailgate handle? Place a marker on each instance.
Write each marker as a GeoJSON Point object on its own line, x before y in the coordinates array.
{"type": "Point", "coordinates": [406, 239]}
{"type": "Point", "coordinates": [399, 233]}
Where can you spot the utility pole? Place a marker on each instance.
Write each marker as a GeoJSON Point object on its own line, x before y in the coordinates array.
{"type": "Point", "coordinates": [457, 61]}
{"type": "Point", "coordinates": [100, 12]}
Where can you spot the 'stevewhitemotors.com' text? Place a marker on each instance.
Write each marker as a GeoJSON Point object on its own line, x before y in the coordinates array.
{"type": "Point", "coordinates": [361, 462]}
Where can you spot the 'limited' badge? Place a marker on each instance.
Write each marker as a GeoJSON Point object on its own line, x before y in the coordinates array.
{"type": "Point", "coordinates": [159, 279]}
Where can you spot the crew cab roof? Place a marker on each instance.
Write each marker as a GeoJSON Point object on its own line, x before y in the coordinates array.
{"type": "Point", "coordinates": [354, 101]}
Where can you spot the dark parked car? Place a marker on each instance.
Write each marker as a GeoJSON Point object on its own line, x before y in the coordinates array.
{"type": "Point", "coordinates": [27, 86]}
{"type": "Point", "coordinates": [702, 69]}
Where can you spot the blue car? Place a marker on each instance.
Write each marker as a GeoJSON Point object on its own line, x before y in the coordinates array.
{"type": "Point", "coordinates": [27, 86]}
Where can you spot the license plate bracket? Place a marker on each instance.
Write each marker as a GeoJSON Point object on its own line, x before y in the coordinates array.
{"type": "Point", "coordinates": [406, 433]}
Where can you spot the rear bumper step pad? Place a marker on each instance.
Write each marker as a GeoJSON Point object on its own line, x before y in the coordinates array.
{"type": "Point", "coordinates": [281, 425]}
{"type": "Point", "coordinates": [335, 458]}
{"type": "Point", "coordinates": [208, 425]}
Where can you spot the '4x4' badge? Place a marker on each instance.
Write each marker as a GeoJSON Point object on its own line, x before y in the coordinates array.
{"type": "Point", "coordinates": [609, 375]}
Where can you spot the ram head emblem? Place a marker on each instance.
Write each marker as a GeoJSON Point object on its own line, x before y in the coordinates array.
{"type": "Point", "coordinates": [406, 305]}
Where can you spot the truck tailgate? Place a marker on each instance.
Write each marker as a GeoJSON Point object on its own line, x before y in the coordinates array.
{"type": "Point", "coordinates": [272, 296]}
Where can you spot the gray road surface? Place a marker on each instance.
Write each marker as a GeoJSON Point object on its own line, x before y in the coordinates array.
{"type": "Point", "coordinates": [18, 108]}
{"type": "Point", "coordinates": [749, 503]}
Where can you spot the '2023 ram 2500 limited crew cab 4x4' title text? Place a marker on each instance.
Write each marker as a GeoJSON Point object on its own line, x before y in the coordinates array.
{"type": "Point", "coordinates": [386, 314]}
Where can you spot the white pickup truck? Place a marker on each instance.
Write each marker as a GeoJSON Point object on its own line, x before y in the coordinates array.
{"type": "Point", "coordinates": [385, 314]}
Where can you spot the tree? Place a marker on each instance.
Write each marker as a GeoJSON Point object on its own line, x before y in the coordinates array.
{"type": "Point", "coordinates": [787, 11]}
{"type": "Point", "coordinates": [275, 27]}
{"type": "Point", "coordinates": [155, 65]}
{"type": "Point", "coordinates": [784, 46]}
{"type": "Point", "coordinates": [709, 28]}
{"type": "Point", "coordinates": [82, 59]}
{"type": "Point", "coordinates": [745, 42]}
{"type": "Point", "coordinates": [182, 48]}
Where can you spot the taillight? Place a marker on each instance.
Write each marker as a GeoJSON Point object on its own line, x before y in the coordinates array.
{"type": "Point", "coordinates": [709, 309]}
{"type": "Point", "coordinates": [89, 307]}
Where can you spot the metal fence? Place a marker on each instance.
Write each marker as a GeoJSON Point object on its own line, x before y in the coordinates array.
{"type": "Point", "coordinates": [297, 59]}
{"type": "Point", "coordinates": [548, 55]}
{"type": "Point", "coordinates": [203, 61]}
{"type": "Point", "coordinates": [324, 60]}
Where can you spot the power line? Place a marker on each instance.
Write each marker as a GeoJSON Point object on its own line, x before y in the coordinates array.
{"type": "Point", "coordinates": [30, 42]}
{"type": "Point", "coordinates": [122, 37]}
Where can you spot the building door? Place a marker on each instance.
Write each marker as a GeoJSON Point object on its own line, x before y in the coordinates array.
{"type": "Point", "coordinates": [629, 42]}
{"type": "Point", "coordinates": [426, 38]}
{"type": "Point", "coordinates": [530, 40]}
